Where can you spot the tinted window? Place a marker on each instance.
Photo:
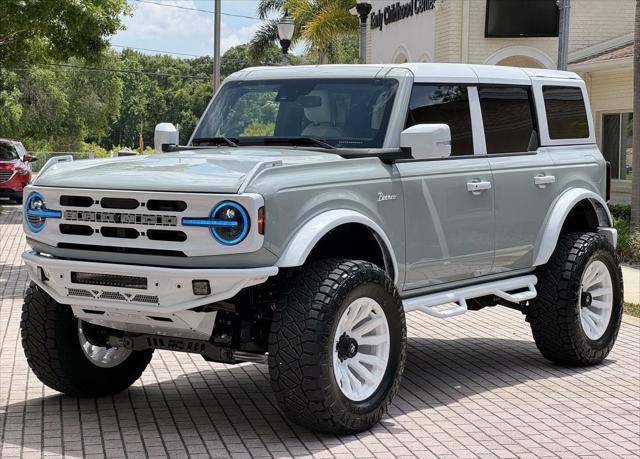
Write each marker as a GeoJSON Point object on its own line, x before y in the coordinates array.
{"type": "Point", "coordinates": [433, 104]}
{"type": "Point", "coordinates": [617, 143]}
{"type": "Point", "coordinates": [508, 119]}
{"type": "Point", "coordinates": [8, 152]}
{"type": "Point", "coordinates": [566, 114]}
{"type": "Point", "coordinates": [611, 142]}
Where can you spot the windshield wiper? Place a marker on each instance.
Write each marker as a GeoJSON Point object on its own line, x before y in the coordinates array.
{"type": "Point", "coordinates": [219, 140]}
{"type": "Point", "coordinates": [299, 141]}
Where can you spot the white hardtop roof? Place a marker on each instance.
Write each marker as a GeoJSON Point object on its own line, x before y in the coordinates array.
{"type": "Point", "coordinates": [422, 72]}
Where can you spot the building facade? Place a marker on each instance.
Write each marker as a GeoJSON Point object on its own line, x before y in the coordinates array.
{"type": "Point", "coordinates": [523, 33]}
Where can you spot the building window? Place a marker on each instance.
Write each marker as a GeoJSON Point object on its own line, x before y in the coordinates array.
{"type": "Point", "coordinates": [617, 143]}
{"type": "Point", "coordinates": [508, 119]}
{"type": "Point", "coordinates": [566, 114]}
{"type": "Point", "coordinates": [447, 104]}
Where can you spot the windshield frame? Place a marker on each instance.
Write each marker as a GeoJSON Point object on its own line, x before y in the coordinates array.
{"type": "Point", "coordinates": [388, 139]}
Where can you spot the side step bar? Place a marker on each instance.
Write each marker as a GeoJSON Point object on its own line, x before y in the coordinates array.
{"type": "Point", "coordinates": [453, 302]}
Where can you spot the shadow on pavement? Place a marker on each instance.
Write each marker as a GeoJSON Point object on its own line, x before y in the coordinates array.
{"type": "Point", "coordinates": [234, 405]}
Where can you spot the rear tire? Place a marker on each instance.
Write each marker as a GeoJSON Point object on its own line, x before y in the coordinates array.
{"type": "Point", "coordinates": [311, 351]}
{"type": "Point", "coordinates": [576, 317]}
{"type": "Point", "coordinates": [52, 344]}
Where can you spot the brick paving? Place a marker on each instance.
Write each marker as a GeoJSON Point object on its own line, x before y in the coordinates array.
{"type": "Point", "coordinates": [474, 386]}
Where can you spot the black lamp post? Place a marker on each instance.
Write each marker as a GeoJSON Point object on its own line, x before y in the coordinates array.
{"type": "Point", "coordinates": [286, 28]}
{"type": "Point", "coordinates": [363, 9]}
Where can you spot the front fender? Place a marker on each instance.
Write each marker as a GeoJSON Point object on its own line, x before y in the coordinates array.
{"type": "Point", "coordinates": [303, 242]}
{"type": "Point", "coordinates": [548, 237]}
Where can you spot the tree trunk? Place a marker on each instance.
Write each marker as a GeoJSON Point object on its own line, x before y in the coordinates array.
{"type": "Point", "coordinates": [635, 184]}
{"type": "Point", "coordinates": [323, 56]}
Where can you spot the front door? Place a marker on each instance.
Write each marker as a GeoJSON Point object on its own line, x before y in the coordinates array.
{"type": "Point", "coordinates": [448, 202]}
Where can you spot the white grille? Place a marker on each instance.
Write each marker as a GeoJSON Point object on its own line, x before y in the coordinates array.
{"type": "Point", "coordinates": [80, 292]}
{"type": "Point", "coordinates": [112, 296]}
{"type": "Point", "coordinates": [152, 299]}
{"type": "Point", "coordinates": [137, 222]}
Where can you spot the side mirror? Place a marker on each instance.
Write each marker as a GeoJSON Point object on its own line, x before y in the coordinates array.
{"type": "Point", "coordinates": [427, 141]}
{"type": "Point", "coordinates": [27, 158]}
{"type": "Point", "coordinates": [165, 134]}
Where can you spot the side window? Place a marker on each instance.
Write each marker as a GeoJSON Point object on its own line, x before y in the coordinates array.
{"type": "Point", "coordinates": [448, 104]}
{"type": "Point", "coordinates": [507, 119]}
{"type": "Point", "coordinates": [566, 113]}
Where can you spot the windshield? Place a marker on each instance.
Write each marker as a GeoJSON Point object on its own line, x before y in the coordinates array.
{"type": "Point", "coordinates": [349, 113]}
{"type": "Point", "coordinates": [8, 152]}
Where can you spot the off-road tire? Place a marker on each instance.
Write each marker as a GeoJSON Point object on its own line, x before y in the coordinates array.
{"type": "Point", "coordinates": [52, 347]}
{"type": "Point", "coordinates": [555, 314]}
{"type": "Point", "coordinates": [301, 345]}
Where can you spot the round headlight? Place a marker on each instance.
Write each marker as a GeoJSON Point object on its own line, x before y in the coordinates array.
{"type": "Point", "coordinates": [35, 221]}
{"type": "Point", "coordinates": [230, 223]}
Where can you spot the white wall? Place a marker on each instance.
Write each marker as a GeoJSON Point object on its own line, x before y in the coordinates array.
{"type": "Point", "coordinates": [413, 37]}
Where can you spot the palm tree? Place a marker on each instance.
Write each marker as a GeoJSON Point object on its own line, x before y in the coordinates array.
{"type": "Point", "coordinates": [319, 24]}
{"type": "Point", "coordinates": [635, 184]}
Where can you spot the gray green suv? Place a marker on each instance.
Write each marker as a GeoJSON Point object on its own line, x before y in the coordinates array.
{"type": "Point", "coordinates": [312, 208]}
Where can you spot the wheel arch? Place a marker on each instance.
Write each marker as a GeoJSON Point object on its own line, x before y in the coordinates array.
{"type": "Point", "coordinates": [312, 234]}
{"type": "Point", "coordinates": [575, 209]}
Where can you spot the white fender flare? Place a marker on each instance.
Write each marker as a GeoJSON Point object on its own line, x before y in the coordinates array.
{"type": "Point", "coordinates": [301, 245]}
{"type": "Point", "coordinates": [548, 237]}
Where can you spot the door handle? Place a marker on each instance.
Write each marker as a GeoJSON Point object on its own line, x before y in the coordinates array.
{"type": "Point", "coordinates": [477, 187]}
{"type": "Point", "coordinates": [543, 180]}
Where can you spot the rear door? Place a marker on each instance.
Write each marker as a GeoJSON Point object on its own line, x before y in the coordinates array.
{"type": "Point", "coordinates": [523, 176]}
{"type": "Point", "coordinates": [449, 229]}
{"type": "Point", "coordinates": [567, 134]}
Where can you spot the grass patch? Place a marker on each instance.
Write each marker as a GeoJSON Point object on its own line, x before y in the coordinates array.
{"type": "Point", "coordinates": [632, 309]}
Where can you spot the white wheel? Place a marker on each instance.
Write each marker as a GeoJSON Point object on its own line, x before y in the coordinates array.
{"type": "Point", "coordinates": [596, 299]}
{"type": "Point", "coordinates": [103, 357]}
{"type": "Point", "coordinates": [361, 349]}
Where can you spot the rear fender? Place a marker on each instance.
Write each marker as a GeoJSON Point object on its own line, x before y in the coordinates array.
{"type": "Point", "coordinates": [562, 206]}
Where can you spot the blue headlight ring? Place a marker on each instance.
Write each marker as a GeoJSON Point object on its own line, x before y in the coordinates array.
{"type": "Point", "coordinates": [212, 223]}
{"type": "Point", "coordinates": [43, 213]}
{"type": "Point", "coordinates": [245, 222]}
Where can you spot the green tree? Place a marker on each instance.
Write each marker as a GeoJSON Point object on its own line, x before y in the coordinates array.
{"type": "Point", "coordinates": [55, 30]}
{"type": "Point", "coordinates": [321, 24]}
{"type": "Point", "coordinates": [53, 107]}
{"type": "Point", "coordinates": [10, 106]}
{"type": "Point", "coordinates": [238, 58]}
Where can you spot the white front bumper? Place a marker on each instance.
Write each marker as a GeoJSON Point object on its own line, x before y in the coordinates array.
{"type": "Point", "coordinates": [168, 290]}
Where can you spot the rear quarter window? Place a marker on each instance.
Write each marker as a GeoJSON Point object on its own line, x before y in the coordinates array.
{"type": "Point", "coordinates": [566, 112]}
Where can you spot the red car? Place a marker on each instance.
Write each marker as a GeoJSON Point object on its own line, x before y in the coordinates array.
{"type": "Point", "coordinates": [15, 170]}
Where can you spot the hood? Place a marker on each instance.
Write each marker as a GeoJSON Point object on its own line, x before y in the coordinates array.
{"type": "Point", "coordinates": [216, 170]}
{"type": "Point", "coordinates": [8, 164]}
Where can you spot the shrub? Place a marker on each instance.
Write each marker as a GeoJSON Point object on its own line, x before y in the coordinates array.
{"type": "Point", "coordinates": [621, 211]}
{"type": "Point", "coordinates": [628, 241]}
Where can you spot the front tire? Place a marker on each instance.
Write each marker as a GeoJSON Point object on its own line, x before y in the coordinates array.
{"type": "Point", "coordinates": [64, 360]}
{"type": "Point", "coordinates": [576, 317]}
{"type": "Point", "coordinates": [337, 346]}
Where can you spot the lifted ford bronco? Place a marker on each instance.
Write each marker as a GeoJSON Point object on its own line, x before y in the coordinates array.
{"type": "Point", "coordinates": [312, 209]}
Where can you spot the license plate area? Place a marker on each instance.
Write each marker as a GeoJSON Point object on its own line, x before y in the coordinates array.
{"type": "Point", "coordinates": [109, 280]}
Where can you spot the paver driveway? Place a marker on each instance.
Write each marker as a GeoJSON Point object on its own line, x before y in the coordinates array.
{"type": "Point", "coordinates": [474, 385]}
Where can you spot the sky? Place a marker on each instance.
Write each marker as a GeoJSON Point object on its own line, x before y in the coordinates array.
{"type": "Point", "coordinates": [157, 25]}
